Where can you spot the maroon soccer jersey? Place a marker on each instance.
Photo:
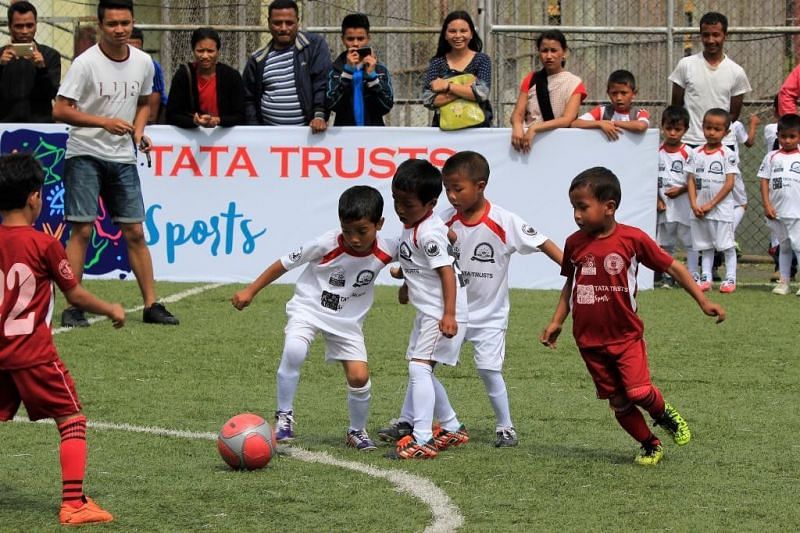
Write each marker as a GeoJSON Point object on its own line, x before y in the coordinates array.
{"type": "Point", "coordinates": [30, 262]}
{"type": "Point", "coordinates": [603, 301]}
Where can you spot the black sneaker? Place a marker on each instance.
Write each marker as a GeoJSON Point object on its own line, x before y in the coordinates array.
{"type": "Point", "coordinates": [158, 314]}
{"type": "Point", "coordinates": [397, 430]}
{"type": "Point", "coordinates": [72, 317]}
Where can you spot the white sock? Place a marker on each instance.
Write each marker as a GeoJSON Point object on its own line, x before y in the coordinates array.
{"type": "Point", "coordinates": [295, 351]}
{"type": "Point", "coordinates": [498, 396]}
{"type": "Point", "coordinates": [422, 400]}
{"type": "Point", "coordinates": [730, 263]}
{"type": "Point", "coordinates": [707, 260]}
{"type": "Point", "coordinates": [407, 411]}
{"type": "Point", "coordinates": [442, 410]}
{"type": "Point", "coordinates": [785, 261]}
{"type": "Point", "coordinates": [738, 215]}
{"type": "Point", "coordinates": [692, 260]}
{"type": "Point", "coordinates": [358, 405]}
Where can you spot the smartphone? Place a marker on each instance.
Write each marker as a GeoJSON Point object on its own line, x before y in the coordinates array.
{"type": "Point", "coordinates": [364, 52]}
{"type": "Point", "coordinates": [23, 49]}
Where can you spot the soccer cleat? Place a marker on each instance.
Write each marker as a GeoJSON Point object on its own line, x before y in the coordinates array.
{"type": "Point", "coordinates": [359, 439]}
{"type": "Point", "coordinates": [396, 430]}
{"type": "Point", "coordinates": [506, 438]}
{"type": "Point", "coordinates": [704, 283]}
{"type": "Point", "coordinates": [72, 317]}
{"type": "Point", "coordinates": [88, 513]}
{"type": "Point", "coordinates": [284, 426]}
{"type": "Point", "coordinates": [781, 288]}
{"type": "Point", "coordinates": [667, 282]}
{"type": "Point", "coordinates": [649, 455]}
{"type": "Point", "coordinates": [696, 277]}
{"type": "Point", "coordinates": [728, 286]}
{"type": "Point", "coordinates": [158, 314]}
{"type": "Point", "coordinates": [408, 448]}
{"type": "Point", "coordinates": [673, 422]}
{"type": "Point", "coordinates": [445, 439]}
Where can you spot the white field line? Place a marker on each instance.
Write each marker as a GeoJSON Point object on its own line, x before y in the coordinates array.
{"type": "Point", "coordinates": [446, 516]}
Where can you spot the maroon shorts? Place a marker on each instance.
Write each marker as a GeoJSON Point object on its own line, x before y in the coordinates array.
{"type": "Point", "coordinates": [47, 390]}
{"type": "Point", "coordinates": [619, 368]}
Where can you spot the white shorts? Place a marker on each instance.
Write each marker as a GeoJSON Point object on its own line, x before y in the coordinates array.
{"type": "Point", "coordinates": [337, 348]}
{"type": "Point", "coordinates": [489, 347]}
{"type": "Point", "coordinates": [739, 192]}
{"type": "Point", "coordinates": [786, 229]}
{"type": "Point", "coordinates": [669, 233]}
{"type": "Point", "coordinates": [711, 234]}
{"type": "Point", "coordinates": [428, 343]}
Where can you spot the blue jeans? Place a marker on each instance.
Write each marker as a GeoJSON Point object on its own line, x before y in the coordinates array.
{"type": "Point", "coordinates": [86, 178]}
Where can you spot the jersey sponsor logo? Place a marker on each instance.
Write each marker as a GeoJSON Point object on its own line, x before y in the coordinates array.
{"type": "Point", "coordinates": [455, 251]}
{"type": "Point", "coordinates": [295, 256]}
{"type": "Point", "coordinates": [584, 294]}
{"type": "Point", "coordinates": [777, 183]}
{"type": "Point", "coordinates": [364, 278]}
{"type": "Point", "coordinates": [432, 249]}
{"type": "Point", "coordinates": [614, 264]}
{"type": "Point", "coordinates": [661, 167]}
{"type": "Point", "coordinates": [528, 230]}
{"type": "Point", "coordinates": [483, 253]}
{"type": "Point", "coordinates": [715, 167]}
{"type": "Point", "coordinates": [337, 278]}
{"type": "Point", "coordinates": [405, 251]}
{"type": "Point", "coordinates": [677, 167]}
{"type": "Point", "coordinates": [331, 301]}
{"type": "Point", "coordinates": [589, 267]}
{"type": "Point", "coordinates": [65, 270]}
{"type": "Point", "coordinates": [795, 167]}
{"type": "Point", "coordinates": [778, 167]}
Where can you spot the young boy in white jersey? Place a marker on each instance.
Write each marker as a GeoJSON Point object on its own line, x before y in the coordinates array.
{"type": "Point", "coordinates": [780, 193]}
{"type": "Point", "coordinates": [332, 296]}
{"type": "Point", "coordinates": [673, 206]}
{"type": "Point", "coordinates": [486, 236]}
{"type": "Point", "coordinates": [436, 290]}
{"type": "Point", "coordinates": [711, 174]}
{"type": "Point", "coordinates": [743, 136]}
{"type": "Point", "coordinates": [613, 118]}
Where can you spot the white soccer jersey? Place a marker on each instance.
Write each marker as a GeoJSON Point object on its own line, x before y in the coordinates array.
{"type": "Point", "coordinates": [710, 170]}
{"type": "Point", "coordinates": [423, 249]}
{"type": "Point", "coordinates": [770, 136]}
{"type": "Point", "coordinates": [483, 251]}
{"type": "Point", "coordinates": [782, 169]}
{"type": "Point", "coordinates": [335, 290]}
{"type": "Point", "coordinates": [672, 167]}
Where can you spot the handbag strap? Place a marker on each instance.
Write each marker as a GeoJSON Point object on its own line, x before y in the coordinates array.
{"type": "Point", "coordinates": [543, 95]}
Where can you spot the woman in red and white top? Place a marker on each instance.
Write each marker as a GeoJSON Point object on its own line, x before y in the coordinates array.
{"type": "Point", "coordinates": [549, 98]}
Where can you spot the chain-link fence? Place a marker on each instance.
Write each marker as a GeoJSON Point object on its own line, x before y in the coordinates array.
{"type": "Point", "coordinates": [647, 37]}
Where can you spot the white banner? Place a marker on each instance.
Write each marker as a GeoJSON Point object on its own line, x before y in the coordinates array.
{"type": "Point", "coordinates": [222, 205]}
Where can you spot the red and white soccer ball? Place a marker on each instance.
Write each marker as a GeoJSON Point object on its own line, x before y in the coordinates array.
{"type": "Point", "coordinates": [246, 442]}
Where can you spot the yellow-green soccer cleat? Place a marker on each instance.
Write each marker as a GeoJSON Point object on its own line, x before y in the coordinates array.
{"type": "Point", "coordinates": [649, 455]}
{"type": "Point", "coordinates": [673, 422]}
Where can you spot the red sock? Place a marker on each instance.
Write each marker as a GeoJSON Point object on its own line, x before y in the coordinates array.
{"type": "Point", "coordinates": [632, 421]}
{"type": "Point", "coordinates": [653, 403]}
{"type": "Point", "coordinates": [73, 460]}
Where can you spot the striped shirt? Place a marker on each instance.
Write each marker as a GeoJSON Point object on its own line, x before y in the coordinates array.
{"type": "Point", "coordinates": [280, 104]}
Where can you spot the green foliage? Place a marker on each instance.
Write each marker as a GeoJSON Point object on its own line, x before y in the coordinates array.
{"type": "Point", "coordinates": [735, 383]}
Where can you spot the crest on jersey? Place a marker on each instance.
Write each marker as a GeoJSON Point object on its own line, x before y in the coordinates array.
{"type": "Point", "coordinates": [405, 251]}
{"type": "Point", "coordinates": [778, 167]}
{"type": "Point", "coordinates": [483, 253]}
{"type": "Point", "coordinates": [337, 278]}
{"type": "Point", "coordinates": [795, 167]}
{"type": "Point", "coordinates": [715, 167]}
{"type": "Point", "coordinates": [732, 159]}
{"type": "Point", "coordinates": [677, 166]}
{"type": "Point", "coordinates": [432, 249]}
{"type": "Point", "coordinates": [455, 251]}
{"type": "Point", "coordinates": [364, 277]}
{"type": "Point", "coordinates": [295, 256]}
{"type": "Point", "coordinates": [589, 268]}
{"type": "Point", "coordinates": [528, 230]}
{"type": "Point", "coordinates": [65, 270]}
{"type": "Point", "coordinates": [614, 264]}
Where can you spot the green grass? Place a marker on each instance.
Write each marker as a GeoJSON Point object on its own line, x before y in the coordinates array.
{"type": "Point", "coordinates": [736, 383]}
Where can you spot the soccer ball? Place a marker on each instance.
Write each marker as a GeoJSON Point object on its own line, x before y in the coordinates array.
{"type": "Point", "coordinates": [246, 442]}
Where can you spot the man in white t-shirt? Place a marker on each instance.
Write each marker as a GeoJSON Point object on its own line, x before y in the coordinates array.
{"type": "Point", "coordinates": [104, 97]}
{"type": "Point", "coordinates": [709, 79]}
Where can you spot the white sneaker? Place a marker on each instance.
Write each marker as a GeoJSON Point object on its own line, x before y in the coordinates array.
{"type": "Point", "coordinates": [781, 288]}
{"type": "Point", "coordinates": [797, 293]}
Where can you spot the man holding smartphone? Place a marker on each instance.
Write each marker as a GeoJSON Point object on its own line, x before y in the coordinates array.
{"type": "Point", "coordinates": [29, 71]}
{"type": "Point", "coordinates": [359, 87]}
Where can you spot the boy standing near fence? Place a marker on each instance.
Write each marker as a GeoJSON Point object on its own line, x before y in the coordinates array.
{"type": "Point", "coordinates": [620, 115]}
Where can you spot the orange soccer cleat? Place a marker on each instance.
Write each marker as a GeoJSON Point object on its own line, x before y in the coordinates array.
{"type": "Point", "coordinates": [88, 513]}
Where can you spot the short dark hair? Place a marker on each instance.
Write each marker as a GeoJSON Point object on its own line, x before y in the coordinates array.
{"type": "Point", "coordinates": [113, 4]}
{"type": "Point", "coordinates": [718, 112]}
{"type": "Point", "coordinates": [355, 20]}
{"type": "Point", "coordinates": [674, 114]}
{"type": "Point", "coordinates": [21, 8]}
{"type": "Point", "coordinates": [20, 175]}
{"type": "Point", "coordinates": [712, 17]}
{"type": "Point", "coordinates": [623, 77]}
{"type": "Point", "coordinates": [790, 121]}
{"type": "Point", "coordinates": [361, 201]}
{"type": "Point", "coordinates": [282, 4]}
{"type": "Point", "coordinates": [205, 33]}
{"type": "Point", "coordinates": [603, 183]}
{"type": "Point", "coordinates": [137, 33]}
{"type": "Point", "coordinates": [472, 164]}
{"type": "Point", "coordinates": [420, 177]}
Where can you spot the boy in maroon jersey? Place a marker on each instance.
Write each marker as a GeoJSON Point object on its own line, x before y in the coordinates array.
{"type": "Point", "coordinates": [31, 371]}
{"type": "Point", "coordinates": [601, 261]}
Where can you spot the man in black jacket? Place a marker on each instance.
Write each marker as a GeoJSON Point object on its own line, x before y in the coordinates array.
{"type": "Point", "coordinates": [29, 77]}
{"type": "Point", "coordinates": [284, 83]}
{"type": "Point", "coordinates": [359, 87]}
